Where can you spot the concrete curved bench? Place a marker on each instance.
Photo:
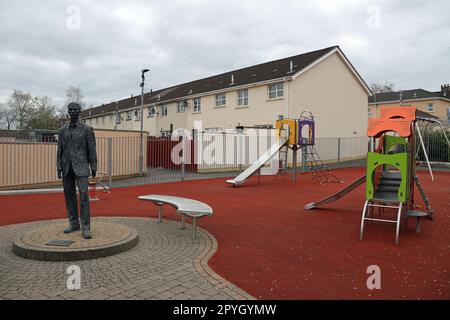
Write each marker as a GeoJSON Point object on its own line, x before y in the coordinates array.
{"type": "Point", "coordinates": [186, 207]}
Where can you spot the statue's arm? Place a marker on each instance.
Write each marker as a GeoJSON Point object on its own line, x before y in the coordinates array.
{"type": "Point", "coordinates": [92, 150]}
{"type": "Point", "coordinates": [59, 152]}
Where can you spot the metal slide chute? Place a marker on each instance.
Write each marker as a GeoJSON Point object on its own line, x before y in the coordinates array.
{"type": "Point", "coordinates": [337, 195]}
{"type": "Point", "coordinates": [269, 154]}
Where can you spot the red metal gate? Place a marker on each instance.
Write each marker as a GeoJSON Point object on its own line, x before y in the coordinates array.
{"type": "Point", "coordinates": [159, 151]}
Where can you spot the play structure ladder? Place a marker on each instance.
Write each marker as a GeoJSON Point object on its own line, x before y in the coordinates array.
{"type": "Point", "coordinates": [318, 168]}
{"type": "Point", "coordinates": [283, 158]}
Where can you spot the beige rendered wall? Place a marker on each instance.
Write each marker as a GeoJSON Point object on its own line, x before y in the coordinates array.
{"type": "Point", "coordinates": [260, 110]}
{"type": "Point", "coordinates": [334, 96]}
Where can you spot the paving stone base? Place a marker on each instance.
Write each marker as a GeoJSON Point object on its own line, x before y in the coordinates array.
{"type": "Point", "coordinates": [166, 264]}
{"type": "Point", "coordinates": [107, 239]}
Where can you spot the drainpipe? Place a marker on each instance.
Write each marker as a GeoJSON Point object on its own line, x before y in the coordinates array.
{"type": "Point", "coordinates": [287, 97]}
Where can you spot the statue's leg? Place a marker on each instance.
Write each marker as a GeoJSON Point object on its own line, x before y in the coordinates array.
{"type": "Point", "coordinates": [85, 213]}
{"type": "Point", "coordinates": [70, 195]}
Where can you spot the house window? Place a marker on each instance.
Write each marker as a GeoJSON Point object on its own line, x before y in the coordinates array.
{"type": "Point", "coordinates": [242, 97]}
{"type": "Point", "coordinates": [137, 115]}
{"type": "Point", "coordinates": [181, 106]}
{"type": "Point", "coordinates": [164, 110]}
{"type": "Point", "coordinates": [197, 105]}
{"type": "Point", "coordinates": [369, 113]}
{"type": "Point", "coordinates": [129, 115]}
{"type": "Point", "coordinates": [151, 111]}
{"type": "Point", "coordinates": [221, 100]}
{"type": "Point", "coordinates": [430, 107]}
{"type": "Point", "coordinates": [96, 120]}
{"type": "Point", "coordinates": [103, 120]}
{"type": "Point", "coordinates": [275, 90]}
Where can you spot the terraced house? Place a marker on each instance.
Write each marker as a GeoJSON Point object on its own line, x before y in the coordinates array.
{"type": "Point", "coordinates": [323, 82]}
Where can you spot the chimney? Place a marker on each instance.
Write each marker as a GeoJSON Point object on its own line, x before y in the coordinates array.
{"type": "Point", "coordinates": [445, 90]}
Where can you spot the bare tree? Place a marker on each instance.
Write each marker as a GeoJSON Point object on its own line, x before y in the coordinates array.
{"type": "Point", "coordinates": [7, 116]}
{"type": "Point", "coordinates": [382, 87]}
{"type": "Point", "coordinates": [74, 94]}
{"type": "Point", "coordinates": [20, 109]}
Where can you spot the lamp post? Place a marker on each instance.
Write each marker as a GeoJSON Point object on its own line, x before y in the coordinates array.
{"type": "Point", "coordinates": [141, 140]}
{"type": "Point", "coordinates": [116, 115]}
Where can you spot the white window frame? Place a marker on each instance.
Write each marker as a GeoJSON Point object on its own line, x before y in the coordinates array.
{"type": "Point", "coordinates": [181, 106]}
{"type": "Point", "coordinates": [96, 120]}
{"type": "Point", "coordinates": [164, 110]}
{"type": "Point", "coordinates": [221, 100]}
{"type": "Point", "coordinates": [242, 100]}
{"type": "Point", "coordinates": [197, 105]}
{"type": "Point", "coordinates": [129, 115]}
{"type": "Point", "coordinates": [137, 115]}
{"type": "Point", "coordinates": [275, 89]}
{"type": "Point", "coordinates": [151, 113]}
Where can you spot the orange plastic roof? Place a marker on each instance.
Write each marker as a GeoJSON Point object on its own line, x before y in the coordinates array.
{"type": "Point", "coordinates": [397, 119]}
{"type": "Point", "coordinates": [377, 127]}
{"type": "Point", "coordinates": [405, 113]}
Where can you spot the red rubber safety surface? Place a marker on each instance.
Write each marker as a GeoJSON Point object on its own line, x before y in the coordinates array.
{"type": "Point", "coordinates": [274, 249]}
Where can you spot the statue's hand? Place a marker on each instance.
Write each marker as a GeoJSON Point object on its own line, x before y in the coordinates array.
{"type": "Point", "coordinates": [59, 174]}
{"type": "Point", "coordinates": [94, 173]}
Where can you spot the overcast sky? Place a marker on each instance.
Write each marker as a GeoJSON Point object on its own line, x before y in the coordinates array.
{"type": "Point", "coordinates": [100, 46]}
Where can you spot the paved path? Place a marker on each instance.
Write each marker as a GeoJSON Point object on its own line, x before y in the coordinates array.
{"type": "Point", "coordinates": [166, 264]}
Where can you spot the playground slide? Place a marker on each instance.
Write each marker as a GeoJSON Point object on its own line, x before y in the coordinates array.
{"type": "Point", "coordinates": [337, 195]}
{"type": "Point", "coordinates": [269, 154]}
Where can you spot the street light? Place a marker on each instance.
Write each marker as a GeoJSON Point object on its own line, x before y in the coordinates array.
{"type": "Point", "coordinates": [141, 142]}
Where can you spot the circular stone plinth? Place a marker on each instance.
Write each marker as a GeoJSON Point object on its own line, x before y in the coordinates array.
{"type": "Point", "coordinates": [107, 239]}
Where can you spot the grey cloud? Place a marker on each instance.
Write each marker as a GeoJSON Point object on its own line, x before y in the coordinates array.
{"type": "Point", "coordinates": [184, 40]}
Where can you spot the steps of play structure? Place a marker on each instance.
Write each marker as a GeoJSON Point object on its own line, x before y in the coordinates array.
{"type": "Point", "coordinates": [389, 182]}
{"type": "Point", "coordinates": [385, 188]}
{"type": "Point", "coordinates": [385, 196]}
{"type": "Point", "coordinates": [391, 175]}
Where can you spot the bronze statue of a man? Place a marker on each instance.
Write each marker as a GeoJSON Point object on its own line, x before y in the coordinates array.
{"type": "Point", "coordinates": [76, 153]}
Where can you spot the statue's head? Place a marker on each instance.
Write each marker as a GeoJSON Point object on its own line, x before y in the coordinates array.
{"type": "Point", "coordinates": [74, 110]}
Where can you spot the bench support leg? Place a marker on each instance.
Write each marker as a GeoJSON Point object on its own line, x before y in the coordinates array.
{"type": "Point", "coordinates": [194, 227]}
{"type": "Point", "coordinates": [183, 222]}
{"type": "Point", "coordinates": [160, 211]}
